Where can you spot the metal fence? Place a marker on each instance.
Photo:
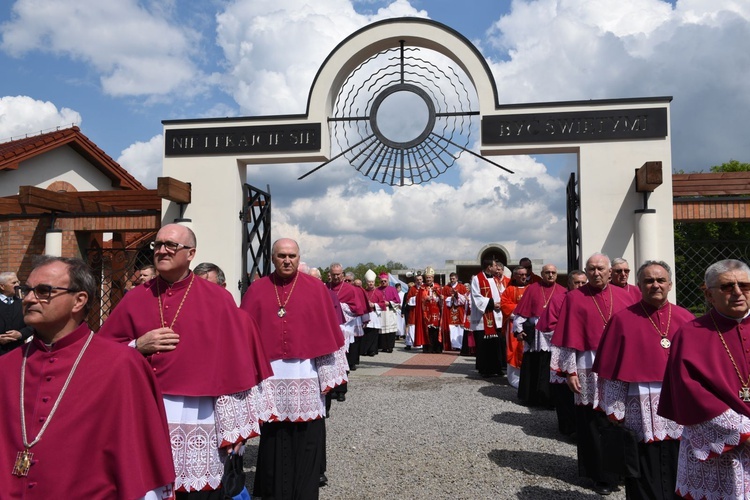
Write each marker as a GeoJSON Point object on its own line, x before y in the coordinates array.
{"type": "Point", "coordinates": [691, 260]}
{"type": "Point", "coordinates": [114, 270]}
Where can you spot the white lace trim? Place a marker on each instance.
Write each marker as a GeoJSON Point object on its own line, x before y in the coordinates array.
{"type": "Point", "coordinates": [635, 405]}
{"type": "Point", "coordinates": [565, 360]}
{"type": "Point", "coordinates": [703, 471]}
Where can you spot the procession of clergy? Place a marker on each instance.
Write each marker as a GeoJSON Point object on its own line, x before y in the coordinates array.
{"type": "Point", "coordinates": [159, 403]}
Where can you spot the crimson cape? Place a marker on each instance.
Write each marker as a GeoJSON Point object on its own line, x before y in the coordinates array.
{"type": "Point", "coordinates": [537, 298]}
{"type": "Point", "coordinates": [309, 329]}
{"type": "Point", "coordinates": [581, 324]}
{"type": "Point", "coordinates": [219, 351]}
{"type": "Point", "coordinates": [630, 348]}
{"type": "Point", "coordinates": [108, 437]}
{"type": "Point", "coordinates": [548, 320]}
{"type": "Point", "coordinates": [700, 382]}
{"type": "Point", "coordinates": [346, 293]}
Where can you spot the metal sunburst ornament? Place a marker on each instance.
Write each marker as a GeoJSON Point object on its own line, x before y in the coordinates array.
{"type": "Point", "coordinates": [414, 151]}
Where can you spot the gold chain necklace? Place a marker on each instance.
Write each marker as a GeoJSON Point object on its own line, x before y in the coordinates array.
{"type": "Point", "coordinates": [665, 343]}
{"type": "Point", "coordinates": [282, 307]}
{"type": "Point", "coordinates": [744, 392]}
{"type": "Point", "coordinates": [179, 308]}
{"type": "Point", "coordinates": [609, 316]}
{"type": "Point", "coordinates": [545, 299]}
{"type": "Point", "coordinates": [23, 458]}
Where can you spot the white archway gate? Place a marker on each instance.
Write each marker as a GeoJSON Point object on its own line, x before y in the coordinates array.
{"type": "Point", "coordinates": [611, 138]}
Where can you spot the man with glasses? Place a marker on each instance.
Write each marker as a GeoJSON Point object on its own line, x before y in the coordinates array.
{"type": "Point", "coordinates": [13, 331]}
{"type": "Point", "coordinates": [585, 314]}
{"type": "Point", "coordinates": [87, 421]}
{"type": "Point", "coordinates": [630, 363]}
{"type": "Point", "coordinates": [525, 263]}
{"type": "Point", "coordinates": [206, 355]}
{"type": "Point", "coordinates": [620, 275]}
{"type": "Point", "coordinates": [706, 389]}
{"type": "Point", "coordinates": [533, 386]}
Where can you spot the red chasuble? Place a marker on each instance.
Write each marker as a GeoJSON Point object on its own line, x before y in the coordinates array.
{"type": "Point", "coordinates": [219, 352]}
{"type": "Point", "coordinates": [428, 313]}
{"type": "Point", "coordinates": [108, 437]}
{"type": "Point", "coordinates": [700, 381]}
{"type": "Point", "coordinates": [537, 298]}
{"type": "Point", "coordinates": [307, 329]}
{"type": "Point", "coordinates": [585, 313]}
{"type": "Point", "coordinates": [630, 349]}
{"type": "Point", "coordinates": [508, 302]}
{"type": "Point", "coordinates": [455, 314]}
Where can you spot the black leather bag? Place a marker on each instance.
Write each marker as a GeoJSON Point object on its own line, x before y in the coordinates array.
{"type": "Point", "coordinates": [620, 451]}
{"type": "Point", "coordinates": [233, 480]}
{"type": "Point", "coordinates": [529, 329]}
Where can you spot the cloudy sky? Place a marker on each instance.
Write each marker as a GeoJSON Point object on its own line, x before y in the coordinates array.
{"type": "Point", "coordinates": [117, 68]}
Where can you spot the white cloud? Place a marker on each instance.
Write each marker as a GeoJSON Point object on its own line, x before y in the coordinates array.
{"type": "Point", "coordinates": [696, 52]}
{"type": "Point", "coordinates": [144, 160]}
{"type": "Point", "coordinates": [23, 115]}
{"type": "Point", "coordinates": [274, 49]}
{"type": "Point", "coordinates": [136, 51]}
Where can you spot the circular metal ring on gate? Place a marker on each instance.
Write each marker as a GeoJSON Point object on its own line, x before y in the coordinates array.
{"type": "Point", "coordinates": [402, 87]}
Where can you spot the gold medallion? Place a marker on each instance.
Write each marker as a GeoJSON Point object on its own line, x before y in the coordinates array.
{"type": "Point", "coordinates": [281, 312]}
{"type": "Point", "coordinates": [23, 463]}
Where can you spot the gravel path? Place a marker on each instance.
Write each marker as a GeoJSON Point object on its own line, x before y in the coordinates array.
{"type": "Point", "coordinates": [455, 435]}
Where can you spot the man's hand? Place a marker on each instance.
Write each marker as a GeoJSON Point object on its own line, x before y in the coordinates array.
{"type": "Point", "coordinates": [234, 448]}
{"type": "Point", "coordinates": [158, 340]}
{"type": "Point", "coordinates": [9, 336]}
{"type": "Point", "coordinates": [574, 383]}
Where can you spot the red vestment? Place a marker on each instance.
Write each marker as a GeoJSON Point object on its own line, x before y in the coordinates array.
{"type": "Point", "coordinates": [108, 437]}
{"type": "Point", "coordinates": [347, 293]}
{"type": "Point", "coordinates": [586, 312]}
{"type": "Point", "coordinates": [537, 298]}
{"type": "Point", "coordinates": [215, 338]}
{"type": "Point", "coordinates": [630, 348]}
{"type": "Point", "coordinates": [700, 381]}
{"type": "Point", "coordinates": [455, 313]}
{"type": "Point", "coordinates": [307, 330]}
{"type": "Point", "coordinates": [428, 307]}
{"type": "Point", "coordinates": [508, 302]}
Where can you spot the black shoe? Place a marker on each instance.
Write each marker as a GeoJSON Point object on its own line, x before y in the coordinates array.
{"type": "Point", "coordinates": [407, 348]}
{"type": "Point", "coordinates": [603, 489]}
{"type": "Point", "coordinates": [352, 368]}
{"type": "Point", "coordinates": [323, 480]}
{"type": "Point", "coordinates": [341, 397]}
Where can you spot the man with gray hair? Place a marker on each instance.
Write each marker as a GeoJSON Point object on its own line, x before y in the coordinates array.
{"type": "Point", "coordinates": [586, 313]}
{"type": "Point", "coordinates": [620, 275]}
{"type": "Point", "coordinates": [211, 272]}
{"type": "Point", "coordinates": [630, 363]}
{"type": "Point", "coordinates": [13, 331]}
{"type": "Point", "coordinates": [707, 389]}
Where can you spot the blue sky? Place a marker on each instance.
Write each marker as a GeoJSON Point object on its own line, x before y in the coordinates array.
{"type": "Point", "coordinates": [119, 67]}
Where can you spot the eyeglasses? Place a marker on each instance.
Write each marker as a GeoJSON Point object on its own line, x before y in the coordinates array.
{"type": "Point", "coordinates": [621, 271]}
{"type": "Point", "coordinates": [170, 246]}
{"type": "Point", "coordinates": [651, 281]}
{"type": "Point", "coordinates": [729, 287]}
{"type": "Point", "coordinates": [41, 292]}
{"type": "Point", "coordinates": [347, 281]}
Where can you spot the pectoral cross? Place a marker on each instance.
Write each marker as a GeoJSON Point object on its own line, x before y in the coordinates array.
{"type": "Point", "coordinates": [745, 394]}
{"type": "Point", "coordinates": [23, 463]}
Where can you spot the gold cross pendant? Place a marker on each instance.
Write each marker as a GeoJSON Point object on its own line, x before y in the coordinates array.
{"type": "Point", "coordinates": [745, 394]}
{"type": "Point", "coordinates": [23, 463]}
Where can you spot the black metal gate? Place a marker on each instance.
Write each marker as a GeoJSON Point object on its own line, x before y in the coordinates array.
{"type": "Point", "coordinates": [113, 269]}
{"type": "Point", "coordinates": [573, 225]}
{"type": "Point", "coordinates": [256, 238]}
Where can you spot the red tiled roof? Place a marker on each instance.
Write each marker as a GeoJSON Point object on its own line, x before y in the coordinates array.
{"type": "Point", "coordinates": [14, 152]}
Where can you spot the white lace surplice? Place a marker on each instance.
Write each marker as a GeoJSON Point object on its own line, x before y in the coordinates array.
{"type": "Point", "coordinates": [714, 458]}
{"type": "Point", "coordinates": [297, 385]}
{"type": "Point", "coordinates": [635, 404]}
{"type": "Point", "coordinates": [555, 377]}
{"type": "Point", "coordinates": [198, 426]}
{"type": "Point", "coordinates": [566, 361]}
